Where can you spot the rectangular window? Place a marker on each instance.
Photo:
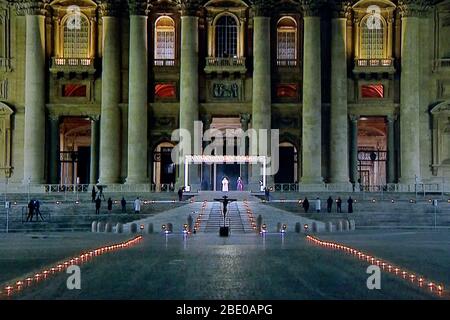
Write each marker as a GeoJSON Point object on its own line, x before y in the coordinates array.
{"type": "Point", "coordinates": [165, 91]}
{"type": "Point", "coordinates": [286, 45]}
{"type": "Point", "coordinates": [74, 90]}
{"type": "Point", "coordinates": [165, 45]}
{"type": "Point", "coordinates": [374, 91]}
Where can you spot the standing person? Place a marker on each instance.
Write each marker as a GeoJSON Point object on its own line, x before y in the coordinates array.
{"type": "Point", "coordinates": [225, 184]}
{"type": "Point", "coordinates": [350, 205]}
{"type": "Point", "coordinates": [180, 194]}
{"type": "Point", "coordinates": [30, 211]}
{"type": "Point", "coordinates": [329, 204]}
{"type": "Point", "coordinates": [240, 184]}
{"type": "Point", "coordinates": [318, 205]}
{"type": "Point", "coordinates": [137, 206]}
{"type": "Point", "coordinates": [110, 203]}
{"type": "Point", "coordinates": [123, 203]}
{"type": "Point", "coordinates": [98, 204]}
{"type": "Point", "coordinates": [267, 193]}
{"type": "Point", "coordinates": [37, 210]}
{"type": "Point", "coordinates": [94, 193]}
{"type": "Point", "coordinates": [339, 205]}
{"type": "Point", "coordinates": [305, 205]}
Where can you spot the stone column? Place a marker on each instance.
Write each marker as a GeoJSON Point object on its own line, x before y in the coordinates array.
{"type": "Point", "coordinates": [312, 96]}
{"type": "Point", "coordinates": [206, 168]}
{"type": "Point", "coordinates": [262, 98]}
{"type": "Point", "coordinates": [53, 157]}
{"type": "Point", "coordinates": [339, 124]}
{"type": "Point", "coordinates": [189, 84]}
{"type": "Point", "coordinates": [409, 92]}
{"type": "Point", "coordinates": [245, 121]}
{"type": "Point", "coordinates": [138, 92]}
{"type": "Point", "coordinates": [391, 150]}
{"type": "Point", "coordinates": [354, 148]}
{"type": "Point", "coordinates": [34, 136]}
{"type": "Point", "coordinates": [110, 151]}
{"type": "Point", "coordinates": [95, 137]}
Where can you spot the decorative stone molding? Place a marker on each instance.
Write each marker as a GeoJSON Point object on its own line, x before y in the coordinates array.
{"type": "Point", "coordinates": [414, 8]}
{"type": "Point", "coordinates": [110, 8]}
{"type": "Point", "coordinates": [341, 9]}
{"type": "Point", "coordinates": [189, 7]}
{"type": "Point", "coordinates": [32, 7]}
{"type": "Point", "coordinates": [5, 140]}
{"type": "Point", "coordinates": [138, 7]}
{"type": "Point", "coordinates": [245, 118]}
{"type": "Point", "coordinates": [262, 8]}
{"type": "Point", "coordinates": [311, 8]}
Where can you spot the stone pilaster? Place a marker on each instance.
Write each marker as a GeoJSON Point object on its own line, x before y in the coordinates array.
{"type": "Point", "coordinates": [189, 108]}
{"type": "Point", "coordinates": [53, 156]}
{"type": "Point", "coordinates": [245, 121]}
{"type": "Point", "coordinates": [409, 91]}
{"type": "Point", "coordinates": [138, 95]}
{"type": "Point", "coordinates": [354, 148]}
{"type": "Point", "coordinates": [206, 168]}
{"type": "Point", "coordinates": [391, 149]}
{"type": "Point", "coordinates": [95, 138]}
{"type": "Point", "coordinates": [110, 148]}
{"type": "Point", "coordinates": [312, 95]}
{"type": "Point", "coordinates": [339, 125]}
{"type": "Point", "coordinates": [262, 98]}
{"type": "Point", "coordinates": [34, 137]}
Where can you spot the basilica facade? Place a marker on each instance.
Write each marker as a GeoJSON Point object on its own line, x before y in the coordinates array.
{"type": "Point", "coordinates": [91, 91]}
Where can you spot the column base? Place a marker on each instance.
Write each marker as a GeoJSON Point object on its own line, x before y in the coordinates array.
{"type": "Point", "coordinates": [340, 186]}
{"type": "Point", "coordinates": [137, 180]}
{"type": "Point", "coordinates": [312, 180]}
{"type": "Point", "coordinates": [106, 181]}
{"type": "Point", "coordinates": [409, 180]}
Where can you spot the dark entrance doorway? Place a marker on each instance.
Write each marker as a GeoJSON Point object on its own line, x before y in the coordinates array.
{"type": "Point", "coordinates": [230, 170]}
{"type": "Point", "coordinates": [84, 159]}
{"type": "Point", "coordinates": [286, 171]}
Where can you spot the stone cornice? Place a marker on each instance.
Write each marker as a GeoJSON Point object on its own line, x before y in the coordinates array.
{"type": "Point", "coordinates": [311, 8]}
{"type": "Point", "coordinates": [110, 8]}
{"type": "Point", "coordinates": [189, 7]}
{"type": "Point", "coordinates": [32, 7]}
{"type": "Point", "coordinates": [262, 8]}
{"type": "Point", "coordinates": [138, 7]}
{"type": "Point", "coordinates": [414, 8]}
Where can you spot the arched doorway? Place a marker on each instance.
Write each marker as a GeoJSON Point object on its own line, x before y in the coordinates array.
{"type": "Point", "coordinates": [164, 170]}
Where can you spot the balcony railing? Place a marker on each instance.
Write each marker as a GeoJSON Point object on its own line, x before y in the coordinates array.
{"type": "Point", "coordinates": [290, 63]}
{"type": "Point", "coordinates": [441, 63]}
{"type": "Point", "coordinates": [72, 62]}
{"type": "Point", "coordinates": [165, 63]}
{"type": "Point", "coordinates": [374, 62]}
{"type": "Point", "coordinates": [225, 65]}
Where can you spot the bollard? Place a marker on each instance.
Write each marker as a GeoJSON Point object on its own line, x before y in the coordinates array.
{"type": "Point", "coordinates": [108, 227]}
{"type": "Point", "coordinates": [259, 223]}
{"type": "Point", "coordinates": [94, 226]}
{"type": "Point", "coordinates": [352, 225]}
{"type": "Point", "coordinates": [339, 226]}
{"type": "Point", "coordinates": [150, 228]}
{"type": "Point", "coordinates": [100, 226]}
{"type": "Point", "coordinates": [345, 225]}
{"type": "Point", "coordinates": [278, 226]}
{"type": "Point", "coordinates": [314, 227]}
{"type": "Point", "coordinates": [119, 227]}
{"type": "Point", "coordinates": [329, 226]}
{"type": "Point", "coordinates": [133, 228]}
{"type": "Point", "coordinates": [298, 227]}
{"type": "Point", "coordinates": [170, 227]}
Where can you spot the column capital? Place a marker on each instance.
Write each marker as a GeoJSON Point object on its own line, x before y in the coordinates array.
{"type": "Point", "coordinates": [189, 7]}
{"type": "Point", "coordinates": [95, 117]}
{"type": "Point", "coordinates": [138, 7]}
{"type": "Point", "coordinates": [354, 117]}
{"type": "Point", "coordinates": [32, 7]}
{"type": "Point", "coordinates": [206, 119]}
{"type": "Point", "coordinates": [341, 9]}
{"type": "Point", "coordinates": [391, 118]}
{"type": "Point", "coordinates": [262, 8]}
{"type": "Point", "coordinates": [311, 8]}
{"type": "Point", "coordinates": [53, 117]}
{"type": "Point", "coordinates": [110, 8]}
{"type": "Point", "coordinates": [245, 118]}
{"type": "Point", "coordinates": [413, 8]}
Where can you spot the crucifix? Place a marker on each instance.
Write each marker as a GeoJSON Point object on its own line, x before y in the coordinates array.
{"type": "Point", "coordinates": [225, 201]}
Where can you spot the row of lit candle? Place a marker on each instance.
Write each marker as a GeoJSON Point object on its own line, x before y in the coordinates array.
{"type": "Point", "coordinates": [199, 220]}
{"type": "Point", "coordinates": [45, 274]}
{"type": "Point", "coordinates": [250, 216]}
{"type": "Point", "coordinates": [386, 266]}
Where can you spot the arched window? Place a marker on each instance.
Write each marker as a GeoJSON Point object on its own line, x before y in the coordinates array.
{"type": "Point", "coordinates": [372, 40]}
{"type": "Point", "coordinates": [287, 41]}
{"type": "Point", "coordinates": [165, 39]}
{"type": "Point", "coordinates": [76, 36]}
{"type": "Point", "coordinates": [226, 37]}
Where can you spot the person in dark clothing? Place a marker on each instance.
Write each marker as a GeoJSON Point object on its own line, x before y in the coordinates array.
{"type": "Point", "coordinates": [93, 194]}
{"type": "Point", "coordinates": [110, 203]}
{"type": "Point", "coordinates": [30, 211]}
{"type": "Point", "coordinates": [123, 203]}
{"type": "Point", "coordinates": [350, 205]}
{"type": "Point", "coordinates": [339, 205]}
{"type": "Point", "coordinates": [98, 204]}
{"type": "Point", "coordinates": [305, 205]}
{"type": "Point", "coordinates": [267, 194]}
{"type": "Point", "coordinates": [37, 210]}
{"type": "Point", "coordinates": [329, 204]}
{"type": "Point", "coordinates": [180, 194]}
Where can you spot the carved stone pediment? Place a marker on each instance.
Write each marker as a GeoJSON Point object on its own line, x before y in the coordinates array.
{"type": "Point", "coordinates": [443, 107]}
